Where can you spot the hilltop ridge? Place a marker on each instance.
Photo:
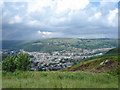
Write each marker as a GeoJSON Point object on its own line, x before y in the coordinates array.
{"type": "Point", "coordinates": [58, 44]}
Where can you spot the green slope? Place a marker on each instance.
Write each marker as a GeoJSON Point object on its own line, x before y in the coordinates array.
{"type": "Point", "coordinates": [109, 64]}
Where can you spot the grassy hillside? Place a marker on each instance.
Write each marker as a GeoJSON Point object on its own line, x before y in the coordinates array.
{"type": "Point", "coordinates": [108, 63]}
{"type": "Point", "coordinates": [58, 80]}
{"type": "Point", "coordinates": [58, 44]}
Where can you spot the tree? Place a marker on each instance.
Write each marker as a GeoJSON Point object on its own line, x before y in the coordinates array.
{"type": "Point", "coordinates": [8, 64]}
{"type": "Point", "coordinates": [20, 62]}
{"type": "Point", "coordinates": [23, 62]}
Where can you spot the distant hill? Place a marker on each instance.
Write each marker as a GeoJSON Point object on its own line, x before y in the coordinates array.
{"type": "Point", "coordinates": [109, 64]}
{"type": "Point", "coordinates": [58, 44]}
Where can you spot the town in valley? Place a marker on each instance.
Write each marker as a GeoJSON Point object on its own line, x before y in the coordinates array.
{"type": "Point", "coordinates": [56, 60]}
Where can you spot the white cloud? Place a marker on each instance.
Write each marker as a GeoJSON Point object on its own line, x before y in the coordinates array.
{"type": "Point", "coordinates": [112, 16]}
{"type": "Point", "coordinates": [1, 5]}
{"type": "Point", "coordinates": [58, 5]}
{"type": "Point", "coordinates": [15, 19]}
{"type": "Point", "coordinates": [44, 33]}
{"type": "Point", "coordinates": [63, 5]}
{"type": "Point", "coordinates": [16, 0]}
{"type": "Point", "coordinates": [56, 21]}
{"type": "Point", "coordinates": [98, 15]}
{"type": "Point", "coordinates": [109, 0]}
{"type": "Point", "coordinates": [38, 5]}
{"type": "Point", "coordinates": [33, 22]}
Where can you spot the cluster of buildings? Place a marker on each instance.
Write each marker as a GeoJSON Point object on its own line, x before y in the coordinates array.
{"type": "Point", "coordinates": [9, 52]}
{"type": "Point", "coordinates": [58, 60]}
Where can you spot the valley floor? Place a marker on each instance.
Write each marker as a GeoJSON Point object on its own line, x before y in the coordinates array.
{"type": "Point", "coordinates": [57, 79]}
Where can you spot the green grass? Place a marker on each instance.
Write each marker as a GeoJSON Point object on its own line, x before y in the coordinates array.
{"type": "Point", "coordinates": [0, 79]}
{"type": "Point", "coordinates": [52, 79]}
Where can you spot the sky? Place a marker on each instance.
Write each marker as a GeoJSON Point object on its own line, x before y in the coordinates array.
{"type": "Point", "coordinates": [36, 19]}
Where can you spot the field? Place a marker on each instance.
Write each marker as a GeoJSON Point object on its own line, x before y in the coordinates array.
{"type": "Point", "coordinates": [57, 79]}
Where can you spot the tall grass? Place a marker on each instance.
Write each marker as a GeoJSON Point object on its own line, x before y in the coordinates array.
{"type": "Point", "coordinates": [58, 80]}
